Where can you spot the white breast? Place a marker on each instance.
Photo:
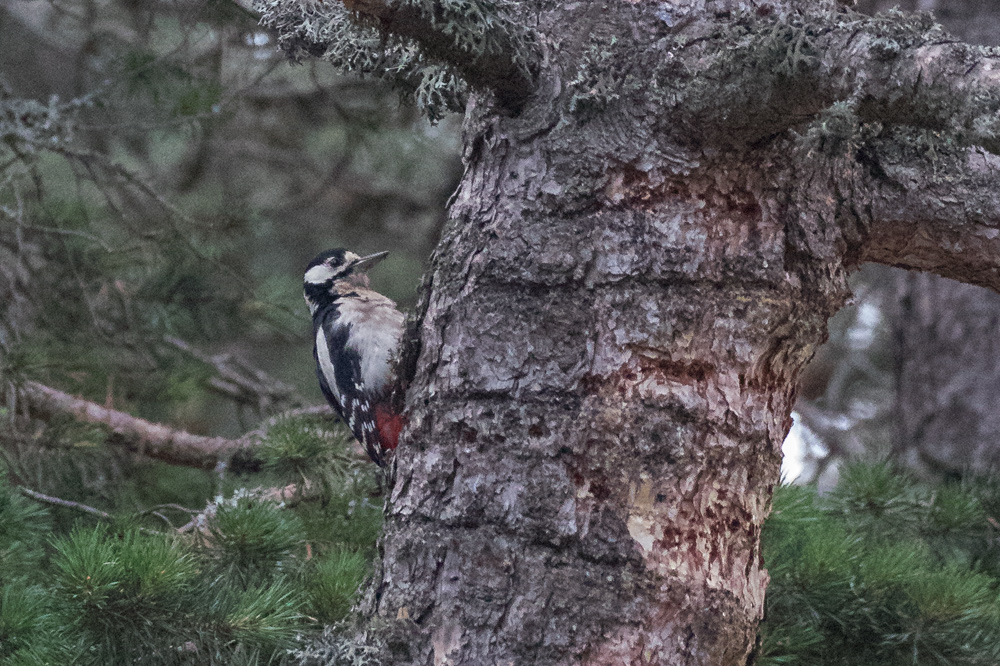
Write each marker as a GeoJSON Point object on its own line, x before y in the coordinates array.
{"type": "Point", "coordinates": [376, 329]}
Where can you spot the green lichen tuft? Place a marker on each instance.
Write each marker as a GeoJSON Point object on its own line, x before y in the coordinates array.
{"type": "Point", "coordinates": [886, 49]}
{"type": "Point", "coordinates": [480, 27]}
{"type": "Point", "coordinates": [337, 646]}
{"type": "Point", "coordinates": [836, 131]}
{"type": "Point", "coordinates": [329, 31]}
{"type": "Point", "coordinates": [906, 30]}
{"type": "Point", "coordinates": [786, 50]}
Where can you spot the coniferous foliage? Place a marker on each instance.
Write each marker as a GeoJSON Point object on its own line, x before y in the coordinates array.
{"type": "Point", "coordinates": [883, 571]}
{"type": "Point", "coordinates": [247, 585]}
{"type": "Point", "coordinates": [169, 193]}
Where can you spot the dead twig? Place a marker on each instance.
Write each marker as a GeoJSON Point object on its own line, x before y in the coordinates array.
{"type": "Point", "coordinates": [240, 381]}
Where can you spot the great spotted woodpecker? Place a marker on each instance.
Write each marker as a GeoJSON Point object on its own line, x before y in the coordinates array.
{"type": "Point", "coordinates": [357, 332]}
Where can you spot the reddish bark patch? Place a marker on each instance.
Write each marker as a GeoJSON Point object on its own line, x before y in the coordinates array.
{"type": "Point", "coordinates": [630, 185]}
{"type": "Point", "coordinates": [679, 371]}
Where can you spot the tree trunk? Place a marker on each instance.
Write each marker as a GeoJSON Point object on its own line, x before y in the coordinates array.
{"type": "Point", "coordinates": [610, 350]}
{"type": "Point", "coordinates": [600, 421]}
{"type": "Point", "coordinates": [656, 220]}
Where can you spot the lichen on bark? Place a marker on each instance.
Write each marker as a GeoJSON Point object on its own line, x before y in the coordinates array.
{"type": "Point", "coordinates": [431, 54]}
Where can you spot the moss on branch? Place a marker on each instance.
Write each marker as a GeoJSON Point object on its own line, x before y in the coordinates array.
{"type": "Point", "coordinates": [764, 76]}
{"type": "Point", "coordinates": [431, 52]}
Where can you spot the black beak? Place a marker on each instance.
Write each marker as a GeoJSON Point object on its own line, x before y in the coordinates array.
{"type": "Point", "coordinates": [364, 263]}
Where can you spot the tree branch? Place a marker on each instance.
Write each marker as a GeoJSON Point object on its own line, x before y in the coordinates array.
{"type": "Point", "coordinates": [948, 226]}
{"type": "Point", "coordinates": [176, 447]}
{"type": "Point", "coordinates": [491, 59]}
{"type": "Point", "coordinates": [476, 39]}
{"type": "Point", "coordinates": [897, 71]}
{"type": "Point", "coordinates": [66, 504]}
{"type": "Point", "coordinates": [240, 381]}
{"type": "Point", "coordinates": [82, 508]}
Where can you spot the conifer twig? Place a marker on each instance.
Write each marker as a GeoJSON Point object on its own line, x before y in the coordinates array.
{"type": "Point", "coordinates": [241, 381]}
{"type": "Point", "coordinates": [67, 504]}
{"type": "Point", "coordinates": [77, 506]}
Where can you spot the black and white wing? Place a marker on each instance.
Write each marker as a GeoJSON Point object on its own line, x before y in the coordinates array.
{"type": "Point", "coordinates": [339, 369]}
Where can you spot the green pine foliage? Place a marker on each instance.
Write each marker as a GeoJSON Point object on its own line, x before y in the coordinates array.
{"type": "Point", "coordinates": [23, 525]}
{"type": "Point", "coordinates": [254, 580]}
{"type": "Point", "coordinates": [297, 448]}
{"type": "Point", "coordinates": [334, 581]}
{"type": "Point", "coordinates": [883, 571]}
{"type": "Point", "coordinates": [173, 186]}
{"type": "Point", "coordinates": [253, 540]}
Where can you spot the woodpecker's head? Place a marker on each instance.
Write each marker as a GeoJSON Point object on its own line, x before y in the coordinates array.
{"type": "Point", "coordinates": [333, 269]}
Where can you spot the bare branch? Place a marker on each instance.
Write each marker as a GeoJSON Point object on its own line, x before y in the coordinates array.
{"type": "Point", "coordinates": [89, 510]}
{"type": "Point", "coordinates": [176, 447]}
{"type": "Point", "coordinates": [241, 381]}
{"type": "Point", "coordinates": [66, 504]}
{"type": "Point", "coordinates": [319, 411]}
{"type": "Point", "coordinates": [288, 496]}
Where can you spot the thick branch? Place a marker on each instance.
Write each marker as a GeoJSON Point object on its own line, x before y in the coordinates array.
{"type": "Point", "coordinates": [169, 445]}
{"type": "Point", "coordinates": [497, 67]}
{"type": "Point", "coordinates": [894, 71]}
{"type": "Point", "coordinates": [949, 226]}
{"type": "Point", "coordinates": [152, 439]}
{"type": "Point", "coordinates": [429, 50]}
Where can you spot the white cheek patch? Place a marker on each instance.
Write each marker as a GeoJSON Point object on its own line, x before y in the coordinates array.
{"type": "Point", "coordinates": [319, 274]}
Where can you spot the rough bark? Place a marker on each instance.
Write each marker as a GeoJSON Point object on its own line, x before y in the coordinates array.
{"type": "Point", "coordinates": [441, 39]}
{"type": "Point", "coordinates": [610, 350]}
{"type": "Point", "coordinates": [637, 267]}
